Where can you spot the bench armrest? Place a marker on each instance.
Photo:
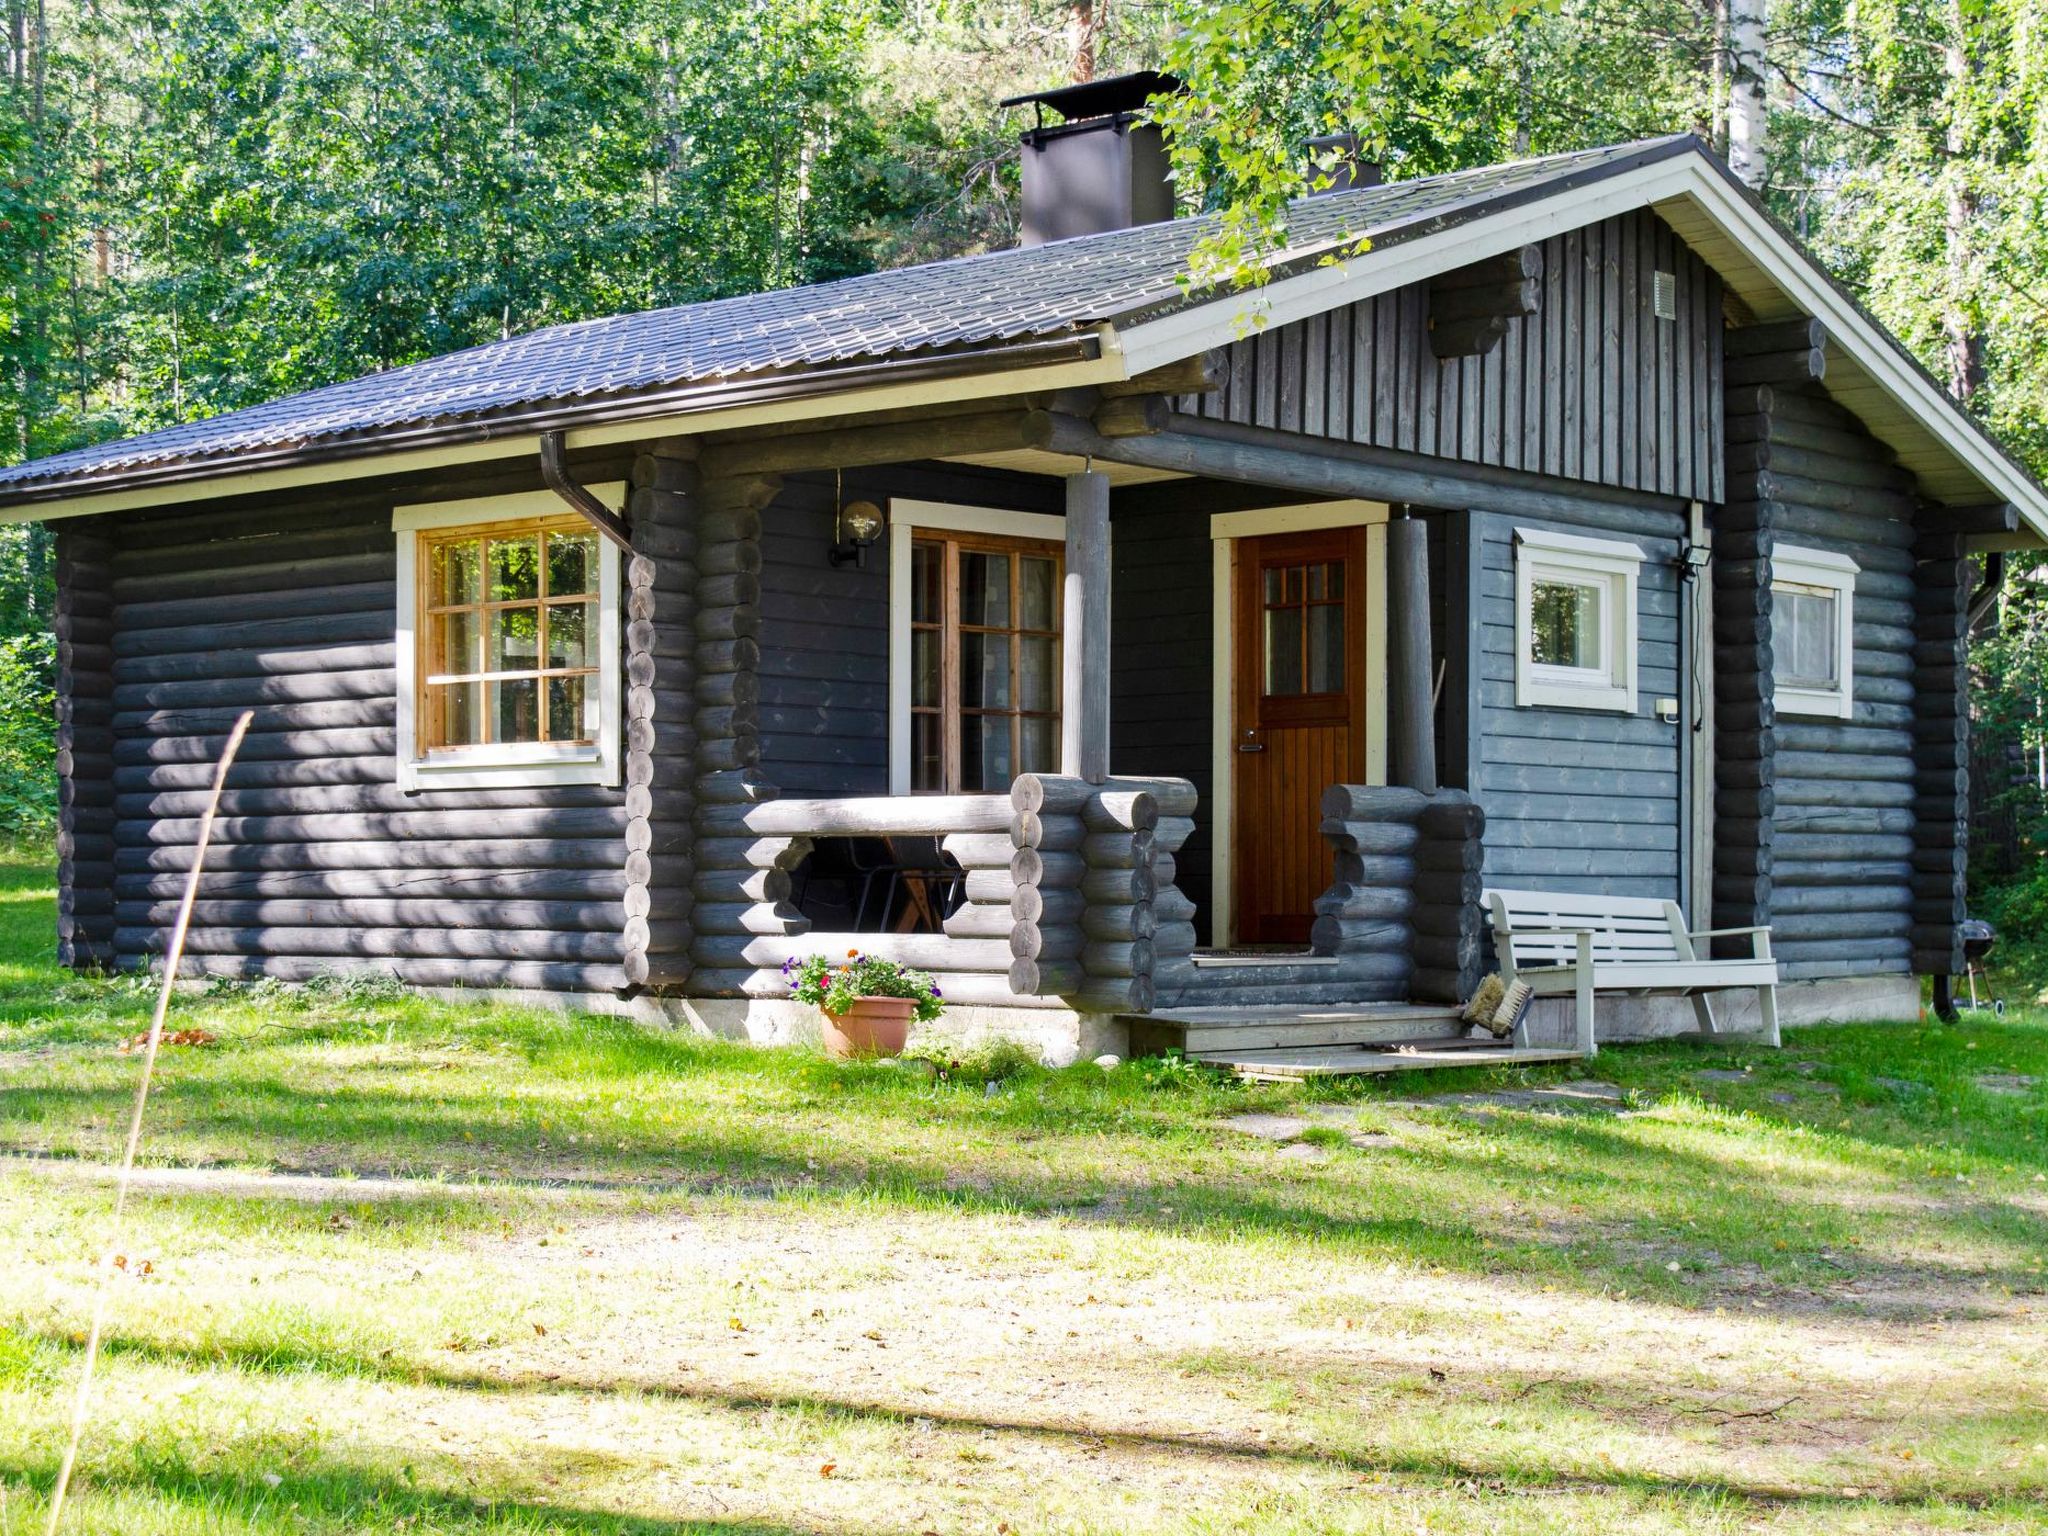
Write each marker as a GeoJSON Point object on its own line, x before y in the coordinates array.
{"type": "Point", "coordinates": [1722, 933]}
{"type": "Point", "coordinates": [1759, 938]}
{"type": "Point", "coordinates": [1547, 933]}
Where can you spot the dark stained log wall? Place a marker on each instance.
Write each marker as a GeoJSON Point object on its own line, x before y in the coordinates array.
{"type": "Point", "coordinates": [320, 864]}
{"type": "Point", "coordinates": [1837, 811]}
{"type": "Point", "coordinates": [825, 659]}
{"type": "Point", "coordinates": [85, 765]}
{"type": "Point", "coordinates": [1593, 386]}
{"type": "Point", "coordinates": [1941, 684]}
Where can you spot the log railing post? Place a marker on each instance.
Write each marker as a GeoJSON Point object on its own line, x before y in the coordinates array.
{"type": "Point", "coordinates": [1084, 738]}
{"type": "Point", "coordinates": [1411, 715]}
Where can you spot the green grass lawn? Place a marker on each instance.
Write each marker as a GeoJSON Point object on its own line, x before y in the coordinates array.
{"type": "Point", "coordinates": [401, 1266]}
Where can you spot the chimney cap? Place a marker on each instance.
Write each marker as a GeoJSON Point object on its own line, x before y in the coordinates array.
{"type": "Point", "coordinates": [1100, 98]}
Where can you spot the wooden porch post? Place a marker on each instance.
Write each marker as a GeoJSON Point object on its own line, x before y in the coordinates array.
{"type": "Point", "coordinates": [1411, 715]}
{"type": "Point", "coordinates": [1084, 703]}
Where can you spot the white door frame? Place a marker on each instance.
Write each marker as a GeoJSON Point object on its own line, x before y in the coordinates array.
{"type": "Point", "coordinates": [1225, 529]}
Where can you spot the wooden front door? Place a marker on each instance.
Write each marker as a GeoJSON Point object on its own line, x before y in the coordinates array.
{"type": "Point", "coordinates": [1298, 720]}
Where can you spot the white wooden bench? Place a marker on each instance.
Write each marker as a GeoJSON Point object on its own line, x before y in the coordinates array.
{"type": "Point", "coordinates": [1588, 944]}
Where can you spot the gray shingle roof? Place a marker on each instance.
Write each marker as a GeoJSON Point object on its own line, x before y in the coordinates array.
{"type": "Point", "coordinates": [1013, 296]}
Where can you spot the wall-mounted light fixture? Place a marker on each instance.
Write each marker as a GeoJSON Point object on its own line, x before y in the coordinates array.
{"type": "Point", "coordinates": [855, 527]}
{"type": "Point", "coordinates": [1693, 559]}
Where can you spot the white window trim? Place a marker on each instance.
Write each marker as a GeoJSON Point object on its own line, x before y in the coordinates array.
{"type": "Point", "coordinates": [907, 517]}
{"type": "Point", "coordinates": [1791, 566]}
{"type": "Point", "coordinates": [1539, 553]}
{"type": "Point", "coordinates": [514, 765]}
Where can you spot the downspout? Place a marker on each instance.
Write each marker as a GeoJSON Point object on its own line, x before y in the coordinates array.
{"type": "Point", "coordinates": [1987, 591]}
{"type": "Point", "coordinates": [556, 475]}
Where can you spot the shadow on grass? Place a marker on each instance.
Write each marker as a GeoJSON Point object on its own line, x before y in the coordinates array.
{"type": "Point", "coordinates": [1587, 1398]}
{"type": "Point", "coordinates": [359, 1496]}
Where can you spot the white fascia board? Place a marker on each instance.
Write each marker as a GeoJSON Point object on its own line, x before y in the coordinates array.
{"type": "Point", "coordinates": [1109, 367]}
{"type": "Point", "coordinates": [1155, 343]}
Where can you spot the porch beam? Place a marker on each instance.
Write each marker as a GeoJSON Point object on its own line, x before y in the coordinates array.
{"type": "Point", "coordinates": [938, 437]}
{"type": "Point", "coordinates": [1221, 451]}
{"type": "Point", "coordinates": [1084, 704]}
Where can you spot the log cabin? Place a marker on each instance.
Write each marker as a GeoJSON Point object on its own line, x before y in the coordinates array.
{"type": "Point", "coordinates": [1139, 658]}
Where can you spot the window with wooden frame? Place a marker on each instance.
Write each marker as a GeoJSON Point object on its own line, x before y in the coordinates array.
{"type": "Point", "coordinates": [984, 661]}
{"type": "Point", "coordinates": [1813, 632]}
{"type": "Point", "coordinates": [508, 640]}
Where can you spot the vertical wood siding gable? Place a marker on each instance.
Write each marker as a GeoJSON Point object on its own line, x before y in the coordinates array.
{"type": "Point", "coordinates": [1593, 386]}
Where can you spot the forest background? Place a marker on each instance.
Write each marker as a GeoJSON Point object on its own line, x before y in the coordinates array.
{"type": "Point", "coordinates": [207, 203]}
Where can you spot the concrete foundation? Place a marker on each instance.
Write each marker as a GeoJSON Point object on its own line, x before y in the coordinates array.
{"type": "Point", "coordinates": [1838, 1000]}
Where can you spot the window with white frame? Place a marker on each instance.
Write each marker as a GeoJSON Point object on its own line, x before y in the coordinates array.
{"type": "Point", "coordinates": [508, 644]}
{"type": "Point", "coordinates": [1813, 626]}
{"type": "Point", "coordinates": [1575, 621]}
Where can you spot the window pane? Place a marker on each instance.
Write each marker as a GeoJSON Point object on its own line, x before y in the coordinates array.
{"type": "Point", "coordinates": [1318, 583]}
{"type": "Point", "coordinates": [455, 714]}
{"type": "Point", "coordinates": [1336, 570]}
{"type": "Point", "coordinates": [1035, 672]}
{"type": "Point", "coordinates": [567, 698]}
{"type": "Point", "coordinates": [924, 668]}
{"type": "Point", "coordinates": [454, 642]}
{"type": "Point", "coordinates": [1564, 624]}
{"type": "Point", "coordinates": [1275, 586]}
{"type": "Point", "coordinates": [572, 563]}
{"type": "Point", "coordinates": [572, 633]}
{"type": "Point", "coordinates": [984, 588]}
{"type": "Point", "coordinates": [927, 571]}
{"type": "Point", "coordinates": [985, 672]}
{"type": "Point", "coordinates": [1803, 638]}
{"type": "Point", "coordinates": [1326, 648]}
{"type": "Point", "coordinates": [512, 640]}
{"type": "Point", "coordinates": [1283, 652]}
{"type": "Point", "coordinates": [514, 709]}
{"type": "Point", "coordinates": [985, 762]}
{"type": "Point", "coordinates": [454, 573]}
{"type": "Point", "coordinates": [515, 568]}
{"type": "Point", "coordinates": [1037, 593]}
{"type": "Point", "coordinates": [1040, 752]}
{"type": "Point", "coordinates": [927, 768]}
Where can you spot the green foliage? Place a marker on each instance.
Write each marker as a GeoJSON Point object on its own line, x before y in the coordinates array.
{"type": "Point", "coordinates": [28, 758]}
{"type": "Point", "coordinates": [836, 988]}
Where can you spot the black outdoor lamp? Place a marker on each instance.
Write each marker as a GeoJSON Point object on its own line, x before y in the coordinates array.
{"type": "Point", "coordinates": [856, 526]}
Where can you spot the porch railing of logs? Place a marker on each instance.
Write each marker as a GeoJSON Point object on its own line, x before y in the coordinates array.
{"type": "Point", "coordinates": [1070, 894]}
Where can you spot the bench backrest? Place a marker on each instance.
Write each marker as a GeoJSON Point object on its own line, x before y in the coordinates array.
{"type": "Point", "coordinates": [1623, 928]}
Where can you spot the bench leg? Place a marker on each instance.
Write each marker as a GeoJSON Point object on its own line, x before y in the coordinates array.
{"type": "Point", "coordinates": [1767, 1005]}
{"type": "Point", "coordinates": [1703, 1011]}
{"type": "Point", "coordinates": [1582, 999]}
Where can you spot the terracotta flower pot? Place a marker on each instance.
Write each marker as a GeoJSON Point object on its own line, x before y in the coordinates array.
{"type": "Point", "coordinates": [873, 1026]}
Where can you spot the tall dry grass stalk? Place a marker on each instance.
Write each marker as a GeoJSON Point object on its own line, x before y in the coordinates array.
{"type": "Point", "coordinates": [83, 1404]}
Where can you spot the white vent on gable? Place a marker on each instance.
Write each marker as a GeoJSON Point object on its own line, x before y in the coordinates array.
{"type": "Point", "coordinates": [1664, 295]}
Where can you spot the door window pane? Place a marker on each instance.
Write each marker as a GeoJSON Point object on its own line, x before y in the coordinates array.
{"type": "Point", "coordinates": [984, 589]}
{"type": "Point", "coordinates": [1283, 652]}
{"type": "Point", "coordinates": [1037, 593]}
{"type": "Point", "coordinates": [924, 668]}
{"type": "Point", "coordinates": [986, 762]}
{"type": "Point", "coordinates": [1040, 750]}
{"type": "Point", "coordinates": [927, 761]}
{"type": "Point", "coordinates": [1326, 648]}
{"type": "Point", "coordinates": [1035, 680]}
{"type": "Point", "coordinates": [1564, 624]}
{"type": "Point", "coordinates": [985, 671]}
{"type": "Point", "coordinates": [927, 583]}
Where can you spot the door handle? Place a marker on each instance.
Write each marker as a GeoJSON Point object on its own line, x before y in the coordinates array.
{"type": "Point", "coordinates": [1251, 746]}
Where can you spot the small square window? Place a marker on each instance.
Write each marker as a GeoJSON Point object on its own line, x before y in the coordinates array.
{"type": "Point", "coordinates": [1575, 621]}
{"type": "Point", "coordinates": [1813, 653]}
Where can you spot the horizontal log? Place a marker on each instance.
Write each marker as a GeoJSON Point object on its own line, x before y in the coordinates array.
{"type": "Point", "coordinates": [976, 920]}
{"type": "Point", "coordinates": [922, 951]}
{"type": "Point", "coordinates": [928, 815]}
{"type": "Point", "coordinates": [239, 693]}
{"type": "Point", "coordinates": [1119, 810]}
{"type": "Point", "coordinates": [307, 772]}
{"type": "Point", "coordinates": [1803, 334]}
{"type": "Point", "coordinates": [1033, 941]}
{"type": "Point", "coordinates": [362, 942]}
{"type": "Point", "coordinates": [542, 826]}
{"type": "Point", "coordinates": [1117, 957]}
{"type": "Point", "coordinates": [1371, 803]}
{"type": "Point", "coordinates": [1797, 365]}
{"type": "Point", "coordinates": [1117, 850]}
{"type": "Point", "coordinates": [1036, 903]}
{"type": "Point", "coordinates": [366, 912]}
{"type": "Point", "coordinates": [433, 853]}
{"type": "Point", "coordinates": [1048, 978]}
{"type": "Point", "coordinates": [467, 975]}
{"type": "Point", "coordinates": [1106, 924]}
{"type": "Point", "coordinates": [459, 887]}
{"type": "Point", "coordinates": [1002, 431]}
{"type": "Point", "coordinates": [1381, 838]}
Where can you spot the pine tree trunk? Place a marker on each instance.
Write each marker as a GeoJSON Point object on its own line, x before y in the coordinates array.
{"type": "Point", "coordinates": [1964, 340]}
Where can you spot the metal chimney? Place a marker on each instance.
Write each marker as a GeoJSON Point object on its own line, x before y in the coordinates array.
{"type": "Point", "coordinates": [1099, 169]}
{"type": "Point", "coordinates": [1349, 170]}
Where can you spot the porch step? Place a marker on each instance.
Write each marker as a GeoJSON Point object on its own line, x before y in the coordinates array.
{"type": "Point", "coordinates": [1289, 1065]}
{"type": "Point", "coordinates": [1202, 1031]}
